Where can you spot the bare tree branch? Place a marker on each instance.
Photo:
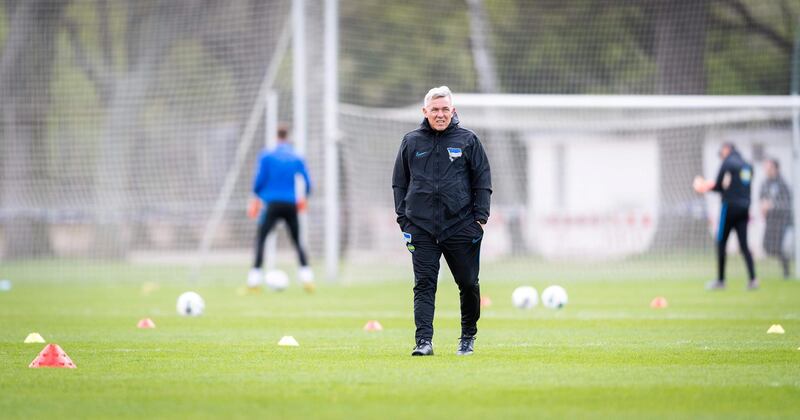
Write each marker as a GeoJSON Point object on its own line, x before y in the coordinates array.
{"type": "Point", "coordinates": [20, 31]}
{"type": "Point", "coordinates": [788, 17]}
{"type": "Point", "coordinates": [11, 6]}
{"type": "Point", "coordinates": [83, 61]}
{"type": "Point", "coordinates": [105, 35]}
{"type": "Point", "coordinates": [750, 23]}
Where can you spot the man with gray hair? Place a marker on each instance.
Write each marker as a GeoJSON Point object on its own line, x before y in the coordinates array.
{"type": "Point", "coordinates": [442, 187]}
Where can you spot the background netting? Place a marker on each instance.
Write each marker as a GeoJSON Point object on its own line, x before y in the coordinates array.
{"type": "Point", "coordinates": [586, 188]}
{"type": "Point", "coordinates": [121, 120]}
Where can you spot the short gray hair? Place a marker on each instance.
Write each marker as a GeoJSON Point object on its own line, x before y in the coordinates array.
{"type": "Point", "coordinates": [437, 92]}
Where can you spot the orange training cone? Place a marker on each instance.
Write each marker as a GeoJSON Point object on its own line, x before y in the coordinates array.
{"type": "Point", "coordinates": [486, 301]}
{"type": "Point", "coordinates": [146, 323]}
{"type": "Point", "coordinates": [52, 356]}
{"type": "Point", "coordinates": [658, 303]}
{"type": "Point", "coordinates": [373, 326]}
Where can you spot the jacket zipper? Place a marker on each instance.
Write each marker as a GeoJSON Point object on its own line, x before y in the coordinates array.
{"type": "Point", "coordinates": [436, 184]}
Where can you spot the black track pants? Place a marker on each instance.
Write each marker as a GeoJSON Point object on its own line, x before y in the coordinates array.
{"type": "Point", "coordinates": [462, 253]}
{"type": "Point", "coordinates": [273, 213]}
{"type": "Point", "coordinates": [733, 217]}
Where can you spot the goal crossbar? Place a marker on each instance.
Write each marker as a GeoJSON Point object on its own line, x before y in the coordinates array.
{"type": "Point", "coordinates": [627, 101]}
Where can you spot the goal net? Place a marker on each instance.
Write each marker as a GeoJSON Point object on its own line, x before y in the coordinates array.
{"type": "Point", "coordinates": [129, 129]}
{"type": "Point", "coordinates": [583, 184]}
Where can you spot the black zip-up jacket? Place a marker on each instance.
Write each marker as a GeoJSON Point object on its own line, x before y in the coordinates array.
{"type": "Point", "coordinates": [737, 193]}
{"type": "Point", "coordinates": [441, 180]}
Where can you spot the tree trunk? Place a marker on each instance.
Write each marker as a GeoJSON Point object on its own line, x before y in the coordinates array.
{"type": "Point", "coordinates": [680, 30]}
{"type": "Point", "coordinates": [151, 34]}
{"type": "Point", "coordinates": [507, 184]}
{"type": "Point", "coordinates": [26, 67]}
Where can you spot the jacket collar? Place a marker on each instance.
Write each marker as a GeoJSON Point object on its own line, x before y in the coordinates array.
{"type": "Point", "coordinates": [734, 155]}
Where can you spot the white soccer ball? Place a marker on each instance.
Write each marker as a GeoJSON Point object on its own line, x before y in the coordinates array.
{"type": "Point", "coordinates": [525, 297]}
{"type": "Point", "coordinates": [190, 304]}
{"type": "Point", "coordinates": [554, 297]}
{"type": "Point", "coordinates": [276, 280]}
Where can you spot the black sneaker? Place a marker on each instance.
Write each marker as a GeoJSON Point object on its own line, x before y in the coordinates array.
{"type": "Point", "coordinates": [466, 346]}
{"type": "Point", "coordinates": [715, 285]}
{"type": "Point", "coordinates": [753, 284]}
{"type": "Point", "coordinates": [424, 348]}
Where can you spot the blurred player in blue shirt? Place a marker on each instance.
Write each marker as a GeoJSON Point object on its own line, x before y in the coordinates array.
{"type": "Point", "coordinates": [274, 186]}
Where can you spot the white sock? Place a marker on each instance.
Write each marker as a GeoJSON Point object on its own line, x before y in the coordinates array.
{"type": "Point", "coordinates": [305, 274]}
{"type": "Point", "coordinates": [254, 278]}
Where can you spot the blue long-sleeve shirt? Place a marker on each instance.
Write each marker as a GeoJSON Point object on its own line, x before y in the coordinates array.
{"type": "Point", "coordinates": [275, 175]}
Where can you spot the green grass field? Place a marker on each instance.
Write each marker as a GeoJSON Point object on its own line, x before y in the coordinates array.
{"type": "Point", "coordinates": [607, 354]}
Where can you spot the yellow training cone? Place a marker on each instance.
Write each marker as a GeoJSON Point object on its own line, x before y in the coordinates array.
{"type": "Point", "coordinates": [149, 287]}
{"type": "Point", "coordinates": [34, 337]}
{"type": "Point", "coordinates": [288, 340]}
{"type": "Point", "coordinates": [775, 329]}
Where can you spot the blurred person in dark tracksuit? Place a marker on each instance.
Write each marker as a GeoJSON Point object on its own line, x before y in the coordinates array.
{"type": "Point", "coordinates": [776, 206]}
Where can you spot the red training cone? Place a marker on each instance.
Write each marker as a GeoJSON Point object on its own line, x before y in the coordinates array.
{"type": "Point", "coordinates": [373, 326]}
{"type": "Point", "coordinates": [146, 323]}
{"type": "Point", "coordinates": [486, 301]}
{"type": "Point", "coordinates": [658, 303]}
{"type": "Point", "coordinates": [52, 356]}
